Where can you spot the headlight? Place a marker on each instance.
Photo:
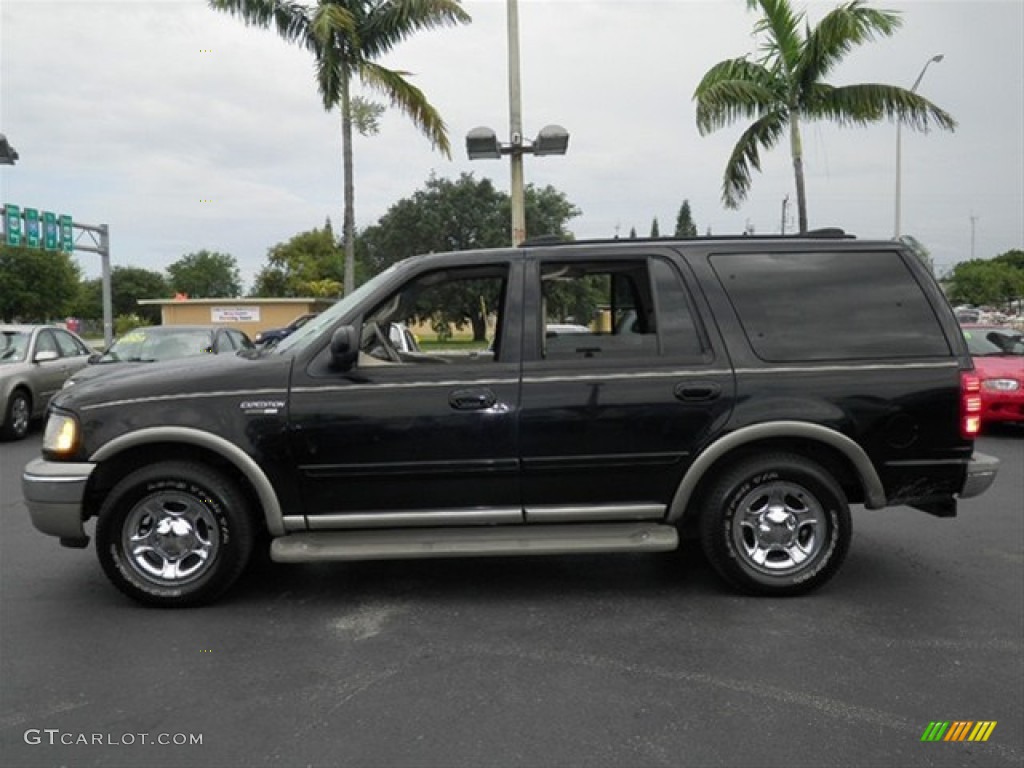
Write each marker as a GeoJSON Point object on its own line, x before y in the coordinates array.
{"type": "Point", "coordinates": [1000, 385]}
{"type": "Point", "coordinates": [61, 434]}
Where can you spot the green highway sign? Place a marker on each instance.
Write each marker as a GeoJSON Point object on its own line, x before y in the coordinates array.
{"type": "Point", "coordinates": [12, 216]}
{"type": "Point", "coordinates": [32, 227]}
{"type": "Point", "coordinates": [67, 237]}
{"type": "Point", "coordinates": [49, 231]}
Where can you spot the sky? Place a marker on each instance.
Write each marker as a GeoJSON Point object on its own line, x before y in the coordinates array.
{"type": "Point", "coordinates": [182, 129]}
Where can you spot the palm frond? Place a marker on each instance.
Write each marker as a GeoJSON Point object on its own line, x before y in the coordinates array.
{"type": "Point", "coordinates": [291, 20]}
{"type": "Point", "coordinates": [408, 99]}
{"type": "Point", "coordinates": [781, 24]}
{"type": "Point", "coordinates": [734, 89]}
{"type": "Point", "coordinates": [869, 103]}
{"type": "Point", "coordinates": [392, 21]}
{"type": "Point", "coordinates": [841, 30]}
{"type": "Point", "coordinates": [764, 133]}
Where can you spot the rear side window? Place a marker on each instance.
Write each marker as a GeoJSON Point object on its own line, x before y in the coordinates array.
{"type": "Point", "coordinates": [830, 306]}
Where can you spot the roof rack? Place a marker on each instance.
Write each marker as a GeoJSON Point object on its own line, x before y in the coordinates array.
{"type": "Point", "coordinates": [824, 233]}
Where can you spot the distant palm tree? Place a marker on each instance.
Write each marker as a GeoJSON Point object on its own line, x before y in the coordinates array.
{"type": "Point", "coordinates": [787, 85]}
{"type": "Point", "coordinates": [345, 37]}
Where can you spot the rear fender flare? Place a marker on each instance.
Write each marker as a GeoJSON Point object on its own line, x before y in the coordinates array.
{"type": "Point", "coordinates": [874, 492]}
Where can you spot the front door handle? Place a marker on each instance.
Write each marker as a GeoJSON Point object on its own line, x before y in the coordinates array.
{"type": "Point", "coordinates": [471, 399]}
{"type": "Point", "coordinates": [697, 391]}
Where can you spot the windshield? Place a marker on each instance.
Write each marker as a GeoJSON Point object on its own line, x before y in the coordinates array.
{"type": "Point", "coordinates": [994, 341]}
{"type": "Point", "coordinates": [312, 330]}
{"type": "Point", "coordinates": [148, 345]}
{"type": "Point", "coordinates": [13, 345]}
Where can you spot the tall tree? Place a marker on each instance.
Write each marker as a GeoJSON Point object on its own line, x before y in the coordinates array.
{"type": "Point", "coordinates": [460, 214]}
{"type": "Point", "coordinates": [127, 286]}
{"type": "Point", "coordinates": [786, 85]}
{"type": "Point", "coordinates": [206, 275]}
{"type": "Point", "coordinates": [986, 282]}
{"type": "Point", "coordinates": [307, 265]}
{"type": "Point", "coordinates": [36, 285]}
{"type": "Point", "coordinates": [684, 221]}
{"type": "Point", "coordinates": [655, 230]}
{"type": "Point", "coordinates": [346, 37]}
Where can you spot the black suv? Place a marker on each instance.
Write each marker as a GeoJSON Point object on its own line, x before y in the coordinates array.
{"type": "Point", "coordinates": [745, 390]}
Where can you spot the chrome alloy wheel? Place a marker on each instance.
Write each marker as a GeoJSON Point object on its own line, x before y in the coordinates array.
{"type": "Point", "coordinates": [19, 415]}
{"type": "Point", "coordinates": [779, 527]}
{"type": "Point", "coordinates": [170, 538]}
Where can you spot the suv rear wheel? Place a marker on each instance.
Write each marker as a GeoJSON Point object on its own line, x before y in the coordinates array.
{"type": "Point", "coordinates": [776, 525]}
{"type": "Point", "coordinates": [174, 534]}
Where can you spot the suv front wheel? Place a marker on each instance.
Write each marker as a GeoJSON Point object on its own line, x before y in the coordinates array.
{"type": "Point", "coordinates": [776, 525]}
{"type": "Point", "coordinates": [174, 534]}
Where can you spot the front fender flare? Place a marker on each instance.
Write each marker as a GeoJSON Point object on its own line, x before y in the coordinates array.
{"type": "Point", "coordinates": [219, 445]}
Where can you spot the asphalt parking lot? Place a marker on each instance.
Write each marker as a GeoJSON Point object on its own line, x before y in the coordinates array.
{"type": "Point", "coordinates": [641, 660]}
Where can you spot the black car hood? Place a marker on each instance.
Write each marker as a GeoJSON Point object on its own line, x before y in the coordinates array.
{"type": "Point", "coordinates": [201, 376]}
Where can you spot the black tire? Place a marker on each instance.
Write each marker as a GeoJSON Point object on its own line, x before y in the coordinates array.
{"type": "Point", "coordinates": [798, 548]}
{"type": "Point", "coordinates": [193, 529]}
{"type": "Point", "coordinates": [17, 416]}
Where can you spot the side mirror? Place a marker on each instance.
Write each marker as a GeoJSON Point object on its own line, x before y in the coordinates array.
{"type": "Point", "coordinates": [45, 356]}
{"type": "Point", "coordinates": [344, 348]}
{"type": "Point", "coordinates": [95, 357]}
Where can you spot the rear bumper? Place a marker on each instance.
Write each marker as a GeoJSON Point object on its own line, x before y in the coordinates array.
{"type": "Point", "coordinates": [54, 492]}
{"type": "Point", "coordinates": [981, 473]}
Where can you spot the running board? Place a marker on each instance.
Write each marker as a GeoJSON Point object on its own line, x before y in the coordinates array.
{"type": "Point", "coordinates": [328, 546]}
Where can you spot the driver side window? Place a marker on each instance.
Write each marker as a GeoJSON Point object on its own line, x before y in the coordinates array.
{"type": "Point", "coordinates": [445, 316]}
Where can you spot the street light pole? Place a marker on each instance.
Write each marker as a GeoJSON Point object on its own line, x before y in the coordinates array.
{"type": "Point", "coordinates": [899, 145]}
{"type": "Point", "coordinates": [482, 142]}
{"type": "Point", "coordinates": [515, 109]}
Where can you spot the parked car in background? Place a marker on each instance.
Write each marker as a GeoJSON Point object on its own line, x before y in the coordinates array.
{"type": "Point", "coordinates": [35, 360]}
{"type": "Point", "coordinates": [1009, 340]}
{"type": "Point", "coordinates": [158, 343]}
{"type": "Point", "coordinates": [999, 360]}
{"type": "Point", "coordinates": [273, 335]}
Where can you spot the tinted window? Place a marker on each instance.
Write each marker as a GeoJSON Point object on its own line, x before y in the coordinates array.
{"type": "Point", "coordinates": [830, 306]}
{"type": "Point", "coordinates": [458, 315]}
{"type": "Point", "coordinates": [597, 310]}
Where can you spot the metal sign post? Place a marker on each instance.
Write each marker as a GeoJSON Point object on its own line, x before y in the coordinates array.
{"type": "Point", "coordinates": [58, 232]}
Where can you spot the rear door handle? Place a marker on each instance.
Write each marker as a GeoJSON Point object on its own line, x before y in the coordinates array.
{"type": "Point", "coordinates": [471, 399]}
{"type": "Point", "coordinates": [697, 391]}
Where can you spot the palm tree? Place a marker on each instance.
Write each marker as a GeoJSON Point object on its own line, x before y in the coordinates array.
{"type": "Point", "coordinates": [786, 85]}
{"type": "Point", "coordinates": [345, 37]}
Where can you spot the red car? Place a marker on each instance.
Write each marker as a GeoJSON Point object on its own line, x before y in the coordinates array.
{"type": "Point", "coordinates": [999, 359]}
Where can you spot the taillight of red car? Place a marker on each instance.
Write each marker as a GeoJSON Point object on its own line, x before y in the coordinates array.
{"type": "Point", "coordinates": [970, 404]}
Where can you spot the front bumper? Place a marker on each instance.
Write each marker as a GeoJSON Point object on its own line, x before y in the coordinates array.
{"type": "Point", "coordinates": [54, 492]}
{"type": "Point", "coordinates": [981, 473]}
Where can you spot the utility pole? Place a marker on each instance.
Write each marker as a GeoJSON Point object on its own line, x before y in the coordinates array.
{"type": "Point", "coordinates": [974, 221]}
{"type": "Point", "coordinates": [785, 205]}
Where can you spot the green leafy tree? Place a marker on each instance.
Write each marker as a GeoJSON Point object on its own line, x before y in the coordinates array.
{"type": "Point", "coordinates": [309, 264]}
{"type": "Point", "coordinates": [346, 37]}
{"type": "Point", "coordinates": [786, 86]}
{"type": "Point", "coordinates": [127, 286]}
{"type": "Point", "coordinates": [205, 275]}
{"type": "Point", "coordinates": [36, 285]}
{"type": "Point", "coordinates": [986, 282]}
{"type": "Point", "coordinates": [1015, 258]}
{"type": "Point", "coordinates": [454, 215]}
{"type": "Point", "coordinates": [684, 221]}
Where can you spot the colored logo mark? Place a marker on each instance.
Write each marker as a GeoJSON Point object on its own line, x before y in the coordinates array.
{"type": "Point", "coordinates": [959, 730]}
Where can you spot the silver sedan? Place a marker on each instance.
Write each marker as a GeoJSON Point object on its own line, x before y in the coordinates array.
{"type": "Point", "coordinates": [35, 360]}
